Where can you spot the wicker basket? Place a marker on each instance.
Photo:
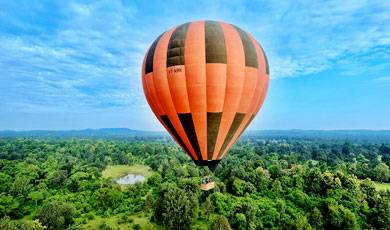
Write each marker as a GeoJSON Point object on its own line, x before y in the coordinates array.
{"type": "Point", "coordinates": [208, 186]}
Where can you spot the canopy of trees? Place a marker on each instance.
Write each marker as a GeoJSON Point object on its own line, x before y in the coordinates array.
{"type": "Point", "coordinates": [262, 184]}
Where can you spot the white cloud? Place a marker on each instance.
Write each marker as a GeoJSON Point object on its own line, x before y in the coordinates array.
{"type": "Point", "coordinates": [312, 37]}
{"type": "Point", "coordinates": [89, 62]}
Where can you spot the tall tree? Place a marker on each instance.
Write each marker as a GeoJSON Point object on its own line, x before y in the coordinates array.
{"type": "Point", "coordinates": [176, 208]}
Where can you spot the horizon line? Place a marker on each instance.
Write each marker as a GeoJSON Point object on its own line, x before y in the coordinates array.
{"type": "Point", "coordinates": [140, 130]}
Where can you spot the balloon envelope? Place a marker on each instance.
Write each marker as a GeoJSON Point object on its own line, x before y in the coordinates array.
{"type": "Point", "coordinates": [205, 81]}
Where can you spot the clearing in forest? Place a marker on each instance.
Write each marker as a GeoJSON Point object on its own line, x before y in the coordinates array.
{"type": "Point", "coordinates": [116, 171]}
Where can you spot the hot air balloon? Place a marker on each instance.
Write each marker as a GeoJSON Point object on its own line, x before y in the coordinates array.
{"type": "Point", "coordinates": [205, 81]}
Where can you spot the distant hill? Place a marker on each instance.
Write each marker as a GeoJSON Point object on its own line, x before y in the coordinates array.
{"type": "Point", "coordinates": [340, 135]}
{"type": "Point", "coordinates": [84, 133]}
{"type": "Point", "coordinates": [123, 133]}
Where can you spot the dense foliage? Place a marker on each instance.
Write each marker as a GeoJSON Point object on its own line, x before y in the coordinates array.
{"type": "Point", "coordinates": [262, 184]}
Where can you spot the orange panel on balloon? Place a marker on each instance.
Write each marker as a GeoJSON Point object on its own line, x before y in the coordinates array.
{"type": "Point", "coordinates": [216, 86]}
{"type": "Point", "coordinates": [178, 87]}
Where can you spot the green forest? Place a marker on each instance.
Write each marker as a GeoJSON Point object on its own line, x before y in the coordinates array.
{"type": "Point", "coordinates": [69, 183]}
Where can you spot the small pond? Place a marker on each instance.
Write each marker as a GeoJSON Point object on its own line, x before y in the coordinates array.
{"type": "Point", "coordinates": [130, 179]}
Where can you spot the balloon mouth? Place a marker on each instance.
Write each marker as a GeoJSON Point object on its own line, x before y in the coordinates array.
{"type": "Point", "coordinates": [211, 164]}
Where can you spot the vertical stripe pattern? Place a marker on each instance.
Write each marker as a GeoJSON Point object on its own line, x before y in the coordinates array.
{"type": "Point", "coordinates": [205, 81]}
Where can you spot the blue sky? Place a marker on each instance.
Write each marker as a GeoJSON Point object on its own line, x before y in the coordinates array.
{"type": "Point", "coordinates": [76, 64]}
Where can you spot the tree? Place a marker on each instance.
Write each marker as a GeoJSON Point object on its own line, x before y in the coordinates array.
{"type": "Point", "coordinates": [148, 201]}
{"type": "Point", "coordinates": [175, 208]}
{"type": "Point", "coordinates": [8, 205]}
{"type": "Point", "coordinates": [341, 217]}
{"type": "Point", "coordinates": [241, 221]}
{"type": "Point", "coordinates": [108, 197]}
{"type": "Point", "coordinates": [382, 172]}
{"type": "Point", "coordinates": [316, 219]}
{"type": "Point", "coordinates": [382, 215]}
{"type": "Point", "coordinates": [223, 204]}
{"type": "Point", "coordinates": [154, 180]}
{"type": "Point", "coordinates": [21, 185]}
{"type": "Point", "coordinates": [36, 196]}
{"type": "Point", "coordinates": [192, 171]}
{"type": "Point", "coordinates": [300, 223]}
{"type": "Point", "coordinates": [277, 187]}
{"type": "Point", "coordinates": [58, 178]}
{"type": "Point", "coordinates": [250, 213]}
{"type": "Point", "coordinates": [209, 208]}
{"type": "Point", "coordinates": [220, 223]}
{"type": "Point", "coordinates": [55, 215]}
{"type": "Point", "coordinates": [5, 182]}
{"type": "Point", "coordinates": [31, 225]}
{"type": "Point", "coordinates": [261, 178]}
{"type": "Point", "coordinates": [7, 224]}
{"type": "Point", "coordinates": [240, 187]}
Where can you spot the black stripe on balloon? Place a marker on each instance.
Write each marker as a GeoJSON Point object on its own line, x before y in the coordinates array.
{"type": "Point", "coordinates": [175, 52]}
{"type": "Point", "coordinates": [266, 60]}
{"type": "Point", "coordinates": [213, 122]}
{"type": "Point", "coordinates": [172, 129]}
{"type": "Point", "coordinates": [233, 129]}
{"type": "Point", "coordinates": [249, 49]}
{"type": "Point", "coordinates": [150, 56]}
{"type": "Point", "coordinates": [246, 126]}
{"type": "Point", "coordinates": [189, 128]}
{"type": "Point", "coordinates": [215, 43]}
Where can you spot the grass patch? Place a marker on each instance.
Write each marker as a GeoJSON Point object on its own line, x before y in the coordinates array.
{"type": "Point", "coordinates": [144, 222]}
{"type": "Point", "coordinates": [111, 221]}
{"type": "Point", "coordinates": [380, 186]}
{"type": "Point", "coordinates": [115, 223]}
{"type": "Point", "coordinates": [116, 171]}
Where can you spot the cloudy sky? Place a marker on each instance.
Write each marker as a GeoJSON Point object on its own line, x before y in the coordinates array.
{"type": "Point", "coordinates": [76, 65]}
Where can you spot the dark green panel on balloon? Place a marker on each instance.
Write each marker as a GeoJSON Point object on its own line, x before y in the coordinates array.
{"type": "Point", "coordinates": [233, 129]}
{"type": "Point", "coordinates": [266, 60]}
{"type": "Point", "coordinates": [189, 128]}
{"type": "Point", "coordinates": [215, 43]}
{"type": "Point", "coordinates": [175, 52]}
{"type": "Point", "coordinates": [249, 49]}
{"type": "Point", "coordinates": [213, 122]}
{"type": "Point", "coordinates": [172, 129]}
{"type": "Point", "coordinates": [150, 56]}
